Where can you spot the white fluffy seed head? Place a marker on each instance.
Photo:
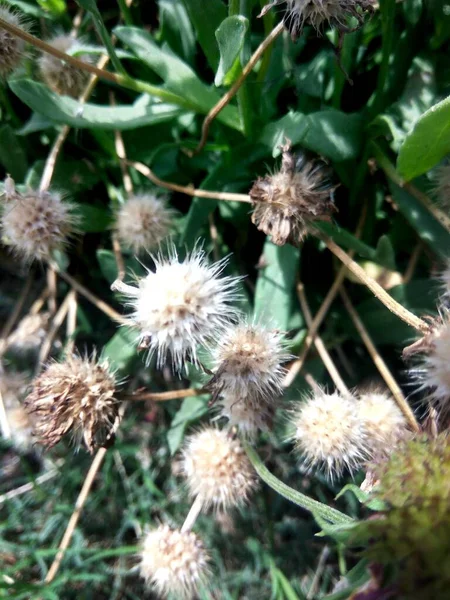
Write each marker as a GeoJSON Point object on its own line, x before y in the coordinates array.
{"type": "Point", "coordinates": [329, 433]}
{"type": "Point", "coordinates": [174, 563]}
{"type": "Point", "coordinates": [217, 469]}
{"type": "Point", "coordinates": [181, 305]}
{"type": "Point", "coordinates": [143, 222]}
{"type": "Point", "coordinates": [37, 223]}
{"type": "Point", "coordinates": [248, 417]}
{"type": "Point", "coordinates": [384, 423]}
{"type": "Point", "coordinates": [12, 48]}
{"type": "Point", "coordinates": [60, 76]}
{"type": "Point", "coordinates": [444, 280]}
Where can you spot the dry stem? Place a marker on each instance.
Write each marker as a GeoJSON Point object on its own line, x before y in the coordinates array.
{"type": "Point", "coordinates": [163, 396]}
{"type": "Point", "coordinates": [57, 321]}
{"type": "Point", "coordinates": [81, 500]}
{"type": "Point", "coordinates": [12, 319]}
{"type": "Point", "coordinates": [379, 362]}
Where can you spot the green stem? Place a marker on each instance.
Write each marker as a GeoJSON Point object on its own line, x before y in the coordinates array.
{"type": "Point", "coordinates": [243, 95]}
{"type": "Point", "coordinates": [268, 20]}
{"type": "Point", "coordinates": [233, 8]}
{"type": "Point", "coordinates": [387, 11]}
{"type": "Point", "coordinates": [316, 508]}
{"type": "Point", "coordinates": [126, 13]}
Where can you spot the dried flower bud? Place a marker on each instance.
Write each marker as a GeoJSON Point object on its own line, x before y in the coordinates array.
{"type": "Point", "coordinates": [60, 76]}
{"type": "Point", "coordinates": [77, 395]}
{"type": "Point", "coordinates": [12, 389]}
{"type": "Point", "coordinates": [287, 202]}
{"type": "Point", "coordinates": [248, 417]}
{"type": "Point", "coordinates": [174, 562]}
{"type": "Point", "coordinates": [384, 423]}
{"type": "Point", "coordinates": [143, 222]}
{"type": "Point", "coordinates": [12, 48]}
{"type": "Point", "coordinates": [329, 433]}
{"type": "Point", "coordinates": [37, 223]}
{"type": "Point", "coordinates": [181, 305]}
{"type": "Point", "coordinates": [217, 469]}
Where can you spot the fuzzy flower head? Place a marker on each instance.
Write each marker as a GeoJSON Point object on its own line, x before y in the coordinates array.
{"type": "Point", "coordinates": [290, 200]}
{"type": "Point", "coordinates": [37, 223]}
{"type": "Point", "coordinates": [217, 469]}
{"type": "Point", "coordinates": [329, 434]}
{"type": "Point", "coordinates": [17, 426]}
{"type": "Point", "coordinates": [174, 563]}
{"type": "Point", "coordinates": [12, 48]}
{"type": "Point", "coordinates": [62, 77]}
{"type": "Point", "coordinates": [181, 305]}
{"type": "Point", "coordinates": [77, 396]}
{"type": "Point", "coordinates": [143, 222]}
{"type": "Point", "coordinates": [442, 185]}
{"type": "Point", "coordinates": [384, 423]}
{"type": "Point", "coordinates": [248, 417]}
{"type": "Point", "coordinates": [444, 280]}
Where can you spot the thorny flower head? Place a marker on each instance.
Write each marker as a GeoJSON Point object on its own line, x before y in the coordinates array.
{"type": "Point", "coordinates": [329, 433]}
{"type": "Point", "coordinates": [290, 200]}
{"type": "Point", "coordinates": [181, 305]}
{"type": "Point", "coordinates": [77, 396]}
{"type": "Point", "coordinates": [143, 222]}
{"type": "Point", "coordinates": [174, 562]}
{"type": "Point", "coordinates": [12, 48]}
{"type": "Point", "coordinates": [59, 75]}
{"type": "Point", "coordinates": [217, 469]}
{"type": "Point", "coordinates": [36, 223]}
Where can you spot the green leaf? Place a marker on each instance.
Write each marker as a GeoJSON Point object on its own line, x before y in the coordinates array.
{"type": "Point", "coordinates": [62, 109]}
{"type": "Point", "coordinates": [362, 497]}
{"type": "Point", "coordinates": [121, 349]}
{"type": "Point", "coordinates": [177, 75]}
{"type": "Point", "coordinates": [275, 285]}
{"type": "Point", "coordinates": [230, 38]}
{"type": "Point", "coordinates": [427, 143]}
{"type": "Point", "coordinates": [93, 218]}
{"type": "Point", "coordinates": [176, 28]}
{"type": "Point", "coordinates": [108, 264]}
{"type": "Point", "coordinates": [385, 254]}
{"type": "Point", "coordinates": [190, 410]}
{"type": "Point", "coordinates": [54, 7]}
{"type": "Point", "coordinates": [12, 155]}
{"type": "Point", "coordinates": [344, 238]}
{"type": "Point", "coordinates": [206, 18]}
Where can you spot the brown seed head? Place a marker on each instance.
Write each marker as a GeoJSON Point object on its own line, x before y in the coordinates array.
{"type": "Point", "coordinates": [62, 77]}
{"type": "Point", "coordinates": [287, 202]}
{"type": "Point", "coordinates": [77, 395]}
{"type": "Point", "coordinates": [12, 48]}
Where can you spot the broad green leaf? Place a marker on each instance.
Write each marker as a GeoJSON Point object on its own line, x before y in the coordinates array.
{"type": "Point", "coordinates": [420, 218]}
{"type": "Point", "coordinates": [121, 349]}
{"type": "Point", "coordinates": [385, 254]}
{"type": "Point", "coordinates": [176, 28]}
{"type": "Point", "coordinates": [62, 109]}
{"type": "Point", "coordinates": [190, 410]}
{"type": "Point", "coordinates": [362, 497]}
{"type": "Point", "coordinates": [93, 218]}
{"type": "Point", "coordinates": [345, 239]}
{"type": "Point", "coordinates": [36, 122]}
{"type": "Point", "coordinates": [69, 176]}
{"type": "Point", "coordinates": [108, 264]}
{"type": "Point", "coordinates": [230, 38]}
{"type": "Point", "coordinates": [12, 155]}
{"type": "Point", "coordinates": [206, 18]}
{"type": "Point", "coordinates": [275, 285]}
{"type": "Point", "coordinates": [427, 143]}
{"type": "Point", "coordinates": [54, 7]}
{"type": "Point", "coordinates": [177, 75]}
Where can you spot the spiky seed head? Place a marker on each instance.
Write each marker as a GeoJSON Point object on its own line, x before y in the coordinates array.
{"type": "Point", "coordinates": [412, 533]}
{"type": "Point", "coordinates": [248, 417]}
{"type": "Point", "coordinates": [181, 305]}
{"type": "Point", "coordinates": [77, 395]}
{"type": "Point", "coordinates": [143, 222]}
{"type": "Point", "coordinates": [37, 223]}
{"type": "Point", "coordinates": [12, 48]}
{"type": "Point", "coordinates": [290, 200]}
{"type": "Point", "coordinates": [29, 334]}
{"type": "Point", "coordinates": [442, 185]}
{"type": "Point", "coordinates": [62, 77]}
{"type": "Point", "coordinates": [248, 361]}
{"type": "Point", "coordinates": [13, 387]}
{"type": "Point", "coordinates": [384, 423]}
{"type": "Point", "coordinates": [217, 469]}
{"type": "Point", "coordinates": [174, 563]}
{"type": "Point", "coordinates": [329, 434]}
{"type": "Point", "coordinates": [444, 279]}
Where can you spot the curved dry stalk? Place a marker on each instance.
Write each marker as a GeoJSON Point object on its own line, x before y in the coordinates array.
{"type": "Point", "coordinates": [190, 191]}
{"type": "Point", "coordinates": [379, 362]}
{"type": "Point", "coordinates": [226, 98]}
{"type": "Point", "coordinates": [193, 514]}
{"type": "Point", "coordinates": [380, 293]}
{"type": "Point", "coordinates": [71, 323]}
{"type": "Point", "coordinates": [320, 346]}
{"type": "Point", "coordinates": [81, 500]}
{"type": "Point", "coordinates": [163, 396]}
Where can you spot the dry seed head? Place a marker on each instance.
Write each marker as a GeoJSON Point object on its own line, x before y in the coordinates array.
{"type": "Point", "coordinates": [12, 48]}
{"type": "Point", "coordinates": [37, 223]}
{"type": "Point", "coordinates": [13, 388]}
{"type": "Point", "coordinates": [444, 279]}
{"type": "Point", "coordinates": [143, 222]}
{"type": "Point", "coordinates": [289, 201]}
{"type": "Point", "coordinates": [174, 563]}
{"type": "Point", "coordinates": [217, 469]}
{"type": "Point", "coordinates": [62, 77]}
{"type": "Point", "coordinates": [181, 305]}
{"type": "Point", "coordinates": [248, 417]}
{"type": "Point", "coordinates": [384, 423]}
{"type": "Point", "coordinates": [329, 433]}
{"type": "Point", "coordinates": [248, 362]}
{"type": "Point", "coordinates": [77, 396]}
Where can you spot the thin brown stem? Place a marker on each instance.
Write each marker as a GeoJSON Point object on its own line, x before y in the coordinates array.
{"type": "Point", "coordinates": [226, 98]}
{"type": "Point", "coordinates": [163, 396]}
{"type": "Point", "coordinates": [57, 321]}
{"type": "Point", "coordinates": [81, 500]}
{"type": "Point", "coordinates": [190, 191]}
{"type": "Point", "coordinates": [100, 304]}
{"type": "Point", "coordinates": [13, 317]}
{"type": "Point", "coordinates": [379, 362]}
{"type": "Point", "coordinates": [381, 294]}
{"type": "Point", "coordinates": [320, 346]}
{"type": "Point", "coordinates": [52, 289]}
{"type": "Point", "coordinates": [121, 154]}
{"type": "Point", "coordinates": [71, 323]}
{"type": "Point", "coordinates": [118, 257]}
